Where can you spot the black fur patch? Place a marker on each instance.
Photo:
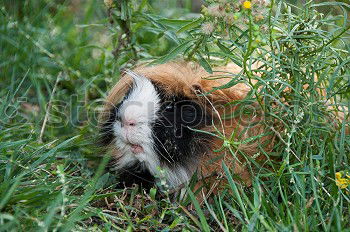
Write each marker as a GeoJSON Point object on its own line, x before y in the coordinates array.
{"type": "Point", "coordinates": [136, 174]}
{"type": "Point", "coordinates": [175, 141]}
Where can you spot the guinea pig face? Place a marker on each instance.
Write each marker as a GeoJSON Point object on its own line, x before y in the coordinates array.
{"type": "Point", "coordinates": [153, 130]}
{"type": "Point", "coordinates": [132, 127]}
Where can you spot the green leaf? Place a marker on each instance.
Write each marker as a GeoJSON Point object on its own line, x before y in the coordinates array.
{"type": "Point", "coordinates": [203, 220]}
{"type": "Point", "coordinates": [152, 193]}
{"type": "Point", "coordinates": [232, 82]}
{"type": "Point", "coordinates": [203, 62]}
{"type": "Point", "coordinates": [173, 53]}
{"type": "Point", "coordinates": [234, 189]}
{"type": "Point", "coordinates": [124, 10]}
{"type": "Point", "coordinates": [223, 48]}
{"type": "Point", "coordinates": [6, 195]}
{"type": "Point", "coordinates": [174, 22]}
{"type": "Point", "coordinates": [190, 25]}
{"type": "Point", "coordinates": [51, 152]}
{"type": "Point", "coordinates": [228, 53]}
{"type": "Point", "coordinates": [13, 144]}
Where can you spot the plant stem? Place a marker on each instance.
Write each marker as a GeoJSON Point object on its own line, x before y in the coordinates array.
{"type": "Point", "coordinates": [270, 26]}
{"type": "Point", "coordinates": [328, 43]}
{"type": "Point", "coordinates": [246, 56]}
{"type": "Point", "coordinates": [199, 42]}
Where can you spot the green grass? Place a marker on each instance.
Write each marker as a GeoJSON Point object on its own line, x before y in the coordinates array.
{"type": "Point", "coordinates": [60, 54]}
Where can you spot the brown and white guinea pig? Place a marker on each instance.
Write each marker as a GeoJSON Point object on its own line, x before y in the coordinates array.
{"type": "Point", "coordinates": [160, 121]}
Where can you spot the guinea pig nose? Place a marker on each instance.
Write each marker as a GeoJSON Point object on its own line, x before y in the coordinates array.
{"type": "Point", "coordinates": [130, 123]}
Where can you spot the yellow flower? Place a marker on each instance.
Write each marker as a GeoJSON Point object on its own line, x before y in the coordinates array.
{"type": "Point", "coordinates": [247, 5]}
{"type": "Point", "coordinates": [342, 182]}
{"type": "Point", "coordinates": [337, 175]}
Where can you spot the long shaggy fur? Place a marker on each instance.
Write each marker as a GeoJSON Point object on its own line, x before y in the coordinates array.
{"type": "Point", "coordinates": [193, 82]}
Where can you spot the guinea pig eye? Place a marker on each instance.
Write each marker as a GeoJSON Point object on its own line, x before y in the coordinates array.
{"type": "Point", "coordinates": [169, 107]}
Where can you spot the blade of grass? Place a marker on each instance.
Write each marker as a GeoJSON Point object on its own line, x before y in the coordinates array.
{"type": "Point", "coordinates": [204, 224]}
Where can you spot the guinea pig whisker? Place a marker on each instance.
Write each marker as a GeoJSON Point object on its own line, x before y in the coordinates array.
{"type": "Point", "coordinates": [164, 149]}
{"type": "Point", "coordinates": [166, 158]}
{"type": "Point", "coordinates": [216, 112]}
{"type": "Point", "coordinates": [106, 132]}
{"type": "Point", "coordinates": [159, 152]}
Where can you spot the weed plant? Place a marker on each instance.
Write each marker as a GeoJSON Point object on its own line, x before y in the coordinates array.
{"type": "Point", "coordinates": [58, 60]}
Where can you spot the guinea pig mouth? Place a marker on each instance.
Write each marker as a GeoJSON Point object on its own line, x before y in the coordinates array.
{"type": "Point", "coordinates": [135, 148]}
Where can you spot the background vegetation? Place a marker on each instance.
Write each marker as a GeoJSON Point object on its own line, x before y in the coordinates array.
{"type": "Point", "coordinates": [62, 57]}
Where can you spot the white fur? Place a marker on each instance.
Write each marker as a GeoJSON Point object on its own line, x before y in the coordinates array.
{"type": "Point", "coordinates": [177, 176]}
{"type": "Point", "coordinates": [142, 106]}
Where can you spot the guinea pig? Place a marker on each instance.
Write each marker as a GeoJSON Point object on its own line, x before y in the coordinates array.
{"type": "Point", "coordinates": [165, 121]}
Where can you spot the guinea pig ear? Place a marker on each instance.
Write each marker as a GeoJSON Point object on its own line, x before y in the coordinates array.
{"type": "Point", "coordinates": [197, 88]}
